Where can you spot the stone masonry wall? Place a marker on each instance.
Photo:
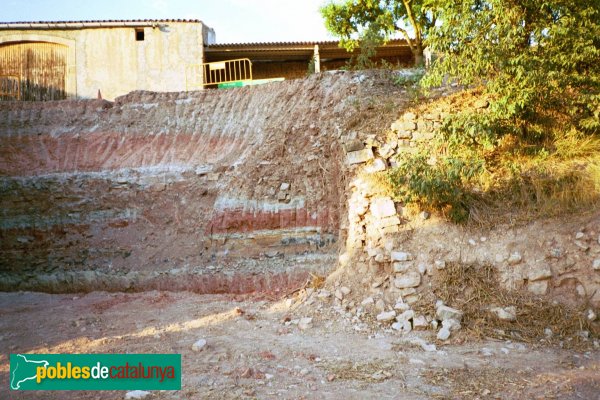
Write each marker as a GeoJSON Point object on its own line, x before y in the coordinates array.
{"type": "Point", "coordinates": [394, 254]}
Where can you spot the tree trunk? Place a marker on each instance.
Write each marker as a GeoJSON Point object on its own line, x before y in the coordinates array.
{"type": "Point", "coordinates": [418, 59]}
{"type": "Point", "coordinates": [418, 55]}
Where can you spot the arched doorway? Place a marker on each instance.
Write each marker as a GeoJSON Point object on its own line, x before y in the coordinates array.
{"type": "Point", "coordinates": [41, 68]}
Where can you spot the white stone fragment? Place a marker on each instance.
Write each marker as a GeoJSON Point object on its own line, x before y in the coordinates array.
{"type": "Point", "coordinates": [515, 258]}
{"type": "Point", "coordinates": [539, 288]}
{"type": "Point", "coordinates": [378, 165]}
{"type": "Point", "coordinates": [368, 301]}
{"type": "Point", "coordinates": [405, 316]}
{"type": "Point", "coordinates": [359, 157]}
{"type": "Point", "coordinates": [400, 256]}
{"type": "Point", "coordinates": [136, 394]}
{"type": "Point", "coordinates": [420, 322]}
{"type": "Point", "coordinates": [452, 324]}
{"type": "Point", "coordinates": [539, 273]}
{"type": "Point", "coordinates": [386, 316]}
{"type": "Point", "coordinates": [401, 267]}
{"type": "Point", "coordinates": [408, 280]}
{"type": "Point", "coordinates": [199, 345]}
{"type": "Point", "coordinates": [305, 323]}
{"type": "Point", "coordinates": [382, 207]}
{"type": "Point", "coordinates": [506, 313]}
{"type": "Point", "coordinates": [444, 312]}
{"type": "Point", "coordinates": [443, 334]}
{"type": "Point", "coordinates": [402, 326]}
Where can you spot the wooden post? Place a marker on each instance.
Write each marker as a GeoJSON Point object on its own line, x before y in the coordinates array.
{"type": "Point", "coordinates": [317, 60]}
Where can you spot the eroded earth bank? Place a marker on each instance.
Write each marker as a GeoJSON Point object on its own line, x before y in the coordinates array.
{"type": "Point", "coordinates": [252, 218]}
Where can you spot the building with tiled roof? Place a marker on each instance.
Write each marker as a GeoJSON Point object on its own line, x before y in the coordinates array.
{"type": "Point", "coordinates": [50, 60]}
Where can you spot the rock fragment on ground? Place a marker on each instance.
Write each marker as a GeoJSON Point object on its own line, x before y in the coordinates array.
{"type": "Point", "coordinates": [443, 312]}
{"type": "Point", "coordinates": [199, 345]}
{"type": "Point", "coordinates": [136, 394]}
{"type": "Point", "coordinates": [305, 323]}
{"type": "Point", "coordinates": [386, 316]}
{"type": "Point", "coordinates": [506, 313]}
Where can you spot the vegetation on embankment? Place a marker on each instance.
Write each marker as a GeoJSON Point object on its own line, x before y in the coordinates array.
{"type": "Point", "coordinates": [535, 150]}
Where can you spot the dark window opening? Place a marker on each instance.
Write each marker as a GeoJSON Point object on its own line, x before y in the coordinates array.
{"type": "Point", "coordinates": [139, 34]}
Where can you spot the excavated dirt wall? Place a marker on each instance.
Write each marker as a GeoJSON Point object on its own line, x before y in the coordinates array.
{"type": "Point", "coordinates": [251, 189]}
{"type": "Point", "coordinates": [213, 191]}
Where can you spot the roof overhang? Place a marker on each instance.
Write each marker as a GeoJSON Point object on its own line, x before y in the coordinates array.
{"type": "Point", "coordinates": [91, 24]}
{"type": "Point", "coordinates": [296, 51]}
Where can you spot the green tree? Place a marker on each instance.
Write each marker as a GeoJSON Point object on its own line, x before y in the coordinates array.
{"type": "Point", "coordinates": [353, 20]}
{"type": "Point", "coordinates": [530, 55]}
{"type": "Point", "coordinates": [536, 144]}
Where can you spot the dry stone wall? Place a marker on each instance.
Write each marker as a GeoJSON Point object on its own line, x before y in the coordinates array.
{"type": "Point", "coordinates": [394, 255]}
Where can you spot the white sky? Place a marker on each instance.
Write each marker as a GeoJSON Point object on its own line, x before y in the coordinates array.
{"type": "Point", "coordinates": [232, 20]}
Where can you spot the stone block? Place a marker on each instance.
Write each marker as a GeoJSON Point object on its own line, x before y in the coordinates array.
{"type": "Point", "coordinates": [388, 230]}
{"type": "Point", "coordinates": [407, 280]}
{"type": "Point", "coordinates": [359, 157]}
{"type": "Point", "coordinates": [400, 256]}
{"type": "Point", "coordinates": [382, 207]}
{"type": "Point", "coordinates": [388, 221]}
{"type": "Point", "coordinates": [539, 287]}
{"type": "Point", "coordinates": [444, 312]}
{"type": "Point", "coordinates": [409, 116]}
{"type": "Point", "coordinates": [539, 272]}
{"type": "Point", "coordinates": [401, 267]}
{"type": "Point", "coordinates": [386, 316]}
{"type": "Point", "coordinates": [386, 151]}
{"type": "Point", "coordinates": [353, 145]}
{"type": "Point", "coordinates": [377, 166]}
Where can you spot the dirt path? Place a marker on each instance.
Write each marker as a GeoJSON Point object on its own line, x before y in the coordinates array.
{"type": "Point", "coordinates": [252, 353]}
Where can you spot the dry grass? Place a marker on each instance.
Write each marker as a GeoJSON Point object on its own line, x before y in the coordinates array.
{"type": "Point", "coordinates": [472, 383]}
{"type": "Point", "coordinates": [474, 289]}
{"type": "Point", "coordinates": [378, 183]}
{"type": "Point", "coordinates": [316, 281]}
{"type": "Point", "coordinates": [372, 372]}
{"type": "Point", "coordinates": [521, 188]}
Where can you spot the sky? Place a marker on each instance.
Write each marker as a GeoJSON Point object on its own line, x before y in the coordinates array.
{"type": "Point", "coordinates": [234, 21]}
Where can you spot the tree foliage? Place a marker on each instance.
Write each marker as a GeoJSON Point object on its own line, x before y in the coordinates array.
{"type": "Point", "coordinates": [538, 64]}
{"type": "Point", "coordinates": [530, 55]}
{"type": "Point", "coordinates": [354, 20]}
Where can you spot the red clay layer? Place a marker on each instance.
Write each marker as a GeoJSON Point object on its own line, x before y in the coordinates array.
{"type": "Point", "coordinates": [32, 155]}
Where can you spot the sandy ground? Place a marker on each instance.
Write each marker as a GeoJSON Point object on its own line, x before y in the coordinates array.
{"type": "Point", "coordinates": [252, 353]}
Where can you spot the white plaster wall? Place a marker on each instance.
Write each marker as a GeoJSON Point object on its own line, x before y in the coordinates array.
{"type": "Point", "coordinates": [112, 61]}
